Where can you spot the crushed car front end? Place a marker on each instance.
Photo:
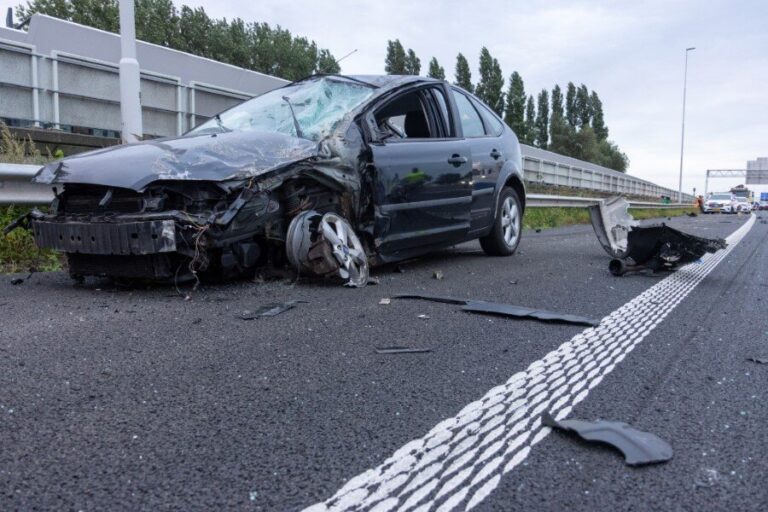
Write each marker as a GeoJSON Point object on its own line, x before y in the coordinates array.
{"type": "Point", "coordinates": [170, 230]}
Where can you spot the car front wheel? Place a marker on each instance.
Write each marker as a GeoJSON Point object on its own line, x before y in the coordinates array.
{"type": "Point", "coordinates": [507, 227]}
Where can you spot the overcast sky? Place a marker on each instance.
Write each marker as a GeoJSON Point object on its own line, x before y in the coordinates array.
{"type": "Point", "coordinates": [630, 52]}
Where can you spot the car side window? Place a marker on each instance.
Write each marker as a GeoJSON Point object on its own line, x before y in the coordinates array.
{"type": "Point", "coordinates": [406, 117]}
{"type": "Point", "coordinates": [493, 125]}
{"type": "Point", "coordinates": [471, 123]}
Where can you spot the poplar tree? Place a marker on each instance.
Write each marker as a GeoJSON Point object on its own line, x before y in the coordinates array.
{"type": "Point", "coordinates": [490, 87]}
{"type": "Point", "coordinates": [542, 120]}
{"type": "Point", "coordinates": [412, 63]}
{"type": "Point", "coordinates": [571, 115]}
{"type": "Point", "coordinates": [514, 111]}
{"type": "Point", "coordinates": [436, 70]}
{"type": "Point", "coordinates": [530, 121]}
{"type": "Point", "coordinates": [394, 63]}
{"type": "Point", "coordinates": [463, 74]}
{"type": "Point", "coordinates": [598, 123]}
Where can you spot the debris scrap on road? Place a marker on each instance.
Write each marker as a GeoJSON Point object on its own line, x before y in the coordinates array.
{"type": "Point", "coordinates": [270, 310]}
{"type": "Point", "coordinates": [758, 360]}
{"type": "Point", "coordinates": [635, 248]}
{"type": "Point", "coordinates": [402, 350]}
{"type": "Point", "coordinates": [508, 310]}
{"type": "Point", "coordinates": [638, 447]}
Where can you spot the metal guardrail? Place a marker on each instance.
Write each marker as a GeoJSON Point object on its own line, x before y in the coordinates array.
{"type": "Point", "coordinates": [16, 188]}
{"type": "Point", "coordinates": [547, 201]}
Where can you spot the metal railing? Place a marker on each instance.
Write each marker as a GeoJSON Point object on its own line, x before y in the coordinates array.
{"type": "Point", "coordinates": [548, 168]}
{"type": "Point", "coordinates": [16, 188]}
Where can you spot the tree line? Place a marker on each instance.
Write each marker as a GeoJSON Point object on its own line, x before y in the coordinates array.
{"type": "Point", "coordinates": [256, 46]}
{"type": "Point", "coordinates": [571, 125]}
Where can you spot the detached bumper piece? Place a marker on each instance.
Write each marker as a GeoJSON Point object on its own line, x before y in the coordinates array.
{"type": "Point", "coordinates": [637, 248]}
{"type": "Point", "coordinates": [124, 238]}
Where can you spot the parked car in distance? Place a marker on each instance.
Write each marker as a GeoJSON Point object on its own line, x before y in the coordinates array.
{"type": "Point", "coordinates": [763, 205]}
{"type": "Point", "coordinates": [329, 174]}
{"type": "Point", "coordinates": [741, 205]}
{"type": "Point", "coordinates": [720, 202]}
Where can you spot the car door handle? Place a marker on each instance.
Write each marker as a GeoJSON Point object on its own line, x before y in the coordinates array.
{"type": "Point", "coordinates": [495, 154]}
{"type": "Point", "coordinates": [457, 160]}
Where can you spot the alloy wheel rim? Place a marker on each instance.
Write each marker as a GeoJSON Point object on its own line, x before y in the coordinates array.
{"type": "Point", "coordinates": [510, 221]}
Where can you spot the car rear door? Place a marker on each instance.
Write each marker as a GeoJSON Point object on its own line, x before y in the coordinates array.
{"type": "Point", "coordinates": [483, 133]}
{"type": "Point", "coordinates": [422, 173]}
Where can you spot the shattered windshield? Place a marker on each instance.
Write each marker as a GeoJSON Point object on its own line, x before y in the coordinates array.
{"type": "Point", "coordinates": [310, 109]}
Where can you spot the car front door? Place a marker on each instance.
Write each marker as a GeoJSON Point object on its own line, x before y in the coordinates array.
{"type": "Point", "coordinates": [422, 174]}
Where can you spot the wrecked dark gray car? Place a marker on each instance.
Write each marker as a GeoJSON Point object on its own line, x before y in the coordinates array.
{"type": "Point", "coordinates": [329, 174]}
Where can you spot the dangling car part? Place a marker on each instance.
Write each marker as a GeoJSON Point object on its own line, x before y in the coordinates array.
{"type": "Point", "coordinates": [326, 245]}
{"type": "Point", "coordinates": [635, 248]}
{"type": "Point", "coordinates": [363, 170]}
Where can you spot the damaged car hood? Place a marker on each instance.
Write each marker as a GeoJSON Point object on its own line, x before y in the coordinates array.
{"type": "Point", "coordinates": [210, 157]}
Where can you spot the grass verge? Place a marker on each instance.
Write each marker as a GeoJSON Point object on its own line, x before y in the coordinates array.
{"type": "Point", "coordinates": [542, 218]}
{"type": "Point", "coordinates": [18, 252]}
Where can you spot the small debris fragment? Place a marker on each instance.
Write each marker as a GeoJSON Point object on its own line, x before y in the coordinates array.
{"type": "Point", "coordinates": [402, 350]}
{"type": "Point", "coordinates": [385, 301]}
{"type": "Point", "coordinates": [253, 495]}
{"type": "Point", "coordinates": [373, 280]}
{"type": "Point", "coordinates": [637, 446]}
{"type": "Point", "coordinates": [437, 274]}
{"type": "Point", "coordinates": [707, 477]}
{"type": "Point", "coordinates": [400, 269]}
{"type": "Point", "coordinates": [692, 214]}
{"type": "Point", "coordinates": [424, 317]}
{"type": "Point", "coordinates": [270, 310]}
{"type": "Point", "coordinates": [758, 360]}
{"type": "Point", "coordinates": [17, 280]}
{"type": "Point", "coordinates": [514, 281]}
{"type": "Point", "coordinates": [538, 230]}
{"type": "Point", "coordinates": [196, 321]}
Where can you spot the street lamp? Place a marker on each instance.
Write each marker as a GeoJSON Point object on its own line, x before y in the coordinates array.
{"type": "Point", "coordinates": [682, 137]}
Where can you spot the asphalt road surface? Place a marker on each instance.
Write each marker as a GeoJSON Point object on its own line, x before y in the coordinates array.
{"type": "Point", "coordinates": [118, 399]}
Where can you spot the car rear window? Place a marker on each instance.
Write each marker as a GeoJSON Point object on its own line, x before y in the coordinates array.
{"type": "Point", "coordinates": [493, 126]}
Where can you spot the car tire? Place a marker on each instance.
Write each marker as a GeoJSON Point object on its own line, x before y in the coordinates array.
{"type": "Point", "coordinates": [507, 226]}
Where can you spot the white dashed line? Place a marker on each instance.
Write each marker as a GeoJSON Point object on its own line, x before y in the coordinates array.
{"type": "Point", "coordinates": [459, 463]}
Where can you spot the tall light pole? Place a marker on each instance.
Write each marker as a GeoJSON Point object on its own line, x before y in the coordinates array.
{"type": "Point", "coordinates": [130, 85]}
{"type": "Point", "coordinates": [682, 137]}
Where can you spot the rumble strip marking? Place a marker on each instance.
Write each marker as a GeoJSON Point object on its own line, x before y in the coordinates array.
{"type": "Point", "coordinates": [462, 459]}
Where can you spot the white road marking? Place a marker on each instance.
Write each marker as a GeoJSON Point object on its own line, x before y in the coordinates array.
{"type": "Point", "coordinates": [459, 463]}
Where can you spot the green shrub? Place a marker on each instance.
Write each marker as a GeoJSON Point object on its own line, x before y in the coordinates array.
{"type": "Point", "coordinates": [18, 252]}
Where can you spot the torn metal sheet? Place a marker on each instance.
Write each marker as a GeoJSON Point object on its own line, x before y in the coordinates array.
{"type": "Point", "coordinates": [638, 447]}
{"type": "Point", "coordinates": [634, 247]}
{"type": "Point", "coordinates": [270, 309]}
{"type": "Point", "coordinates": [402, 350]}
{"type": "Point", "coordinates": [508, 310]}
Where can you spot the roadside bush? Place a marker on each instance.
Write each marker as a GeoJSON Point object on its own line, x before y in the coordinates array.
{"type": "Point", "coordinates": [18, 252]}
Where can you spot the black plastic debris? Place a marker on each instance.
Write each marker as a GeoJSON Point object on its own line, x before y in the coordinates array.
{"type": "Point", "coordinates": [692, 214]}
{"type": "Point", "coordinates": [17, 280]}
{"type": "Point", "coordinates": [508, 310]}
{"type": "Point", "coordinates": [492, 308]}
{"type": "Point", "coordinates": [402, 350]}
{"type": "Point", "coordinates": [270, 310]}
{"type": "Point", "coordinates": [758, 360]}
{"type": "Point", "coordinates": [635, 248]}
{"type": "Point", "coordinates": [637, 446]}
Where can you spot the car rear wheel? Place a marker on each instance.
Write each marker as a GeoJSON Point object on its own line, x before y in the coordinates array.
{"type": "Point", "coordinates": [507, 228]}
